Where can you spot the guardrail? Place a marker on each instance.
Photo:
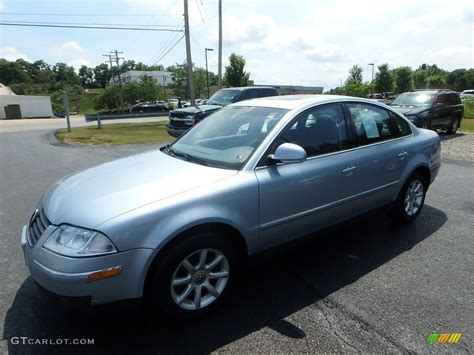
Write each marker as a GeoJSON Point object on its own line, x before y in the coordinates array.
{"type": "Point", "coordinates": [117, 116]}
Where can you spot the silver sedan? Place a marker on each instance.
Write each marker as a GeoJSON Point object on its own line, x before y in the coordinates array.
{"type": "Point", "coordinates": [173, 225]}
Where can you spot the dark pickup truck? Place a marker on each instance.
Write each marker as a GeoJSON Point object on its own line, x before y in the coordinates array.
{"type": "Point", "coordinates": [180, 120]}
{"type": "Point", "coordinates": [432, 109]}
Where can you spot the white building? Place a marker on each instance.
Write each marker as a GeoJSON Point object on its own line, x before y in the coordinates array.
{"type": "Point", "coordinates": [161, 77]}
{"type": "Point", "coordinates": [23, 106]}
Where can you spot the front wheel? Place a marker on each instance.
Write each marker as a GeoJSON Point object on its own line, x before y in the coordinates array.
{"type": "Point", "coordinates": [410, 200]}
{"type": "Point", "coordinates": [192, 278]}
{"type": "Point", "coordinates": [454, 126]}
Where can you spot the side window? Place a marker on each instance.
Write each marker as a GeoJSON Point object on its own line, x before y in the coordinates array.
{"type": "Point", "coordinates": [442, 99]}
{"type": "Point", "coordinates": [267, 92]}
{"type": "Point", "coordinates": [250, 94]}
{"type": "Point", "coordinates": [372, 124]}
{"type": "Point", "coordinates": [401, 125]}
{"type": "Point", "coordinates": [319, 130]}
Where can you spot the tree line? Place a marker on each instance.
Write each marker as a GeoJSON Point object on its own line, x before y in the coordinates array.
{"type": "Point", "coordinates": [41, 78]}
{"type": "Point", "coordinates": [402, 79]}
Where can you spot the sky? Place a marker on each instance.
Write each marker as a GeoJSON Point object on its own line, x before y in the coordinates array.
{"type": "Point", "coordinates": [298, 42]}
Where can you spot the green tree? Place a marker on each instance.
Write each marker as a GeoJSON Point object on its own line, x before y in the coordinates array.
{"type": "Point", "coordinates": [234, 74]}
{"type": "Point", "coordinates": [358, 89]}
{"type": "Point", "coordinates": [355, 75]}
{"type": "Point", "coordinates": [419, 78]}
{"type": "Point", "coordinates": [102, 75]}
{"type": "Point", "coordinates": [11, 72]}
{"type": "Point", "coordinates": [65, 74]}
{"type": "Point", "coordinates": [86, 76]}
{"type": "Point", "coordinates": [180, 82]}
{"type": "Point", "coordinates": [403, 79]}
{"type": "Point", "coordinates": [383, 79]}
{"type": "Point", "coordinates": [200, 83]}
{"type": "Point", "coordinates": [436, 81]}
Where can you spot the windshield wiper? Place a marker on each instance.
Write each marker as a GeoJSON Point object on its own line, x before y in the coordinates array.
{"type": "Point", "coordinates": [187, 157]}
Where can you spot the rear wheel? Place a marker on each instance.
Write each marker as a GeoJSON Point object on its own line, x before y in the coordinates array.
{"type": "Point", "coordinates": [192, 278]}
{"type": "Point", "coordinates": [454, 126]}
{"type": "Point", "coordinates": [410, 200]}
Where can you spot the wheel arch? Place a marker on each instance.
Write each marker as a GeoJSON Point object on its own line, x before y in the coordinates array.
{"type": "Point", "coordinates": [236, 237]}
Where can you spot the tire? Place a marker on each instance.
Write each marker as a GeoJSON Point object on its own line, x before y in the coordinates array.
{"type": "Point", "coordinates": [426, 123]}
{"type": "Point", "coordinates": [191, 279]}
{"type": "Point", "coordinates": [410, 200]}
{"type": "Point", "coordinates": [454, 126]}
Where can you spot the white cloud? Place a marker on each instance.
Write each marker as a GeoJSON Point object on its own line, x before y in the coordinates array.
{"type": "Point", "coordinates": [2, 6]}
{"type": "Point", "coordinates": [12, 54]}
{"type": "Point", "coordinates": [72, 46]}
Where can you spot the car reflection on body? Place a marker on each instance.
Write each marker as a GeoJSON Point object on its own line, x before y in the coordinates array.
{"type": "Point", "coordinates": [173, 225]}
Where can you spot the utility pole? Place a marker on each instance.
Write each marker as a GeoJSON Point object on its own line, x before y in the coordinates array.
{"type": "Point", "coordinates": [119, 77]}
{"type": "Point", "coordinates": [219, 64]}
{"type": "Point", "coordinates": [113, 80]}
{"type": "Point", "coordinates": [207, 70]}
{"type": "Point", "coordinates": [66, 111]}
{"type": "Point", "coordinates": [188, 55]}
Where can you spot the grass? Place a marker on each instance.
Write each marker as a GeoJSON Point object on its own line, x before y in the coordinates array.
{"type": "Point", "coordinates": [116, 134]}
{"type": "Point", "coordinates": [467, 125]}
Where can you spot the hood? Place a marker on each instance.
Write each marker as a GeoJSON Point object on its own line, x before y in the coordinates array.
{"type": "Point", "coordinates": [193, 110]}
{"type": "Point", "coordinates": [409, 110]}
{"type": "Point", "coordinates": [91, 197]}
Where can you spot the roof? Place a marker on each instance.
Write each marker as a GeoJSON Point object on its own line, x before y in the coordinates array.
{"type": "Point", "coordinates": [291, 102]}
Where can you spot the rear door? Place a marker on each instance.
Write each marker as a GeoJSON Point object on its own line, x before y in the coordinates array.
{"type": "Point", "coordinates": [382, 154]}
{"type": "Point", "coordinates": [441, 111]}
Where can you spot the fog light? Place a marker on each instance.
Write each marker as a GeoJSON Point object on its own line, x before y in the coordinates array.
{"type": "Point", "coordinates": [104, 274]}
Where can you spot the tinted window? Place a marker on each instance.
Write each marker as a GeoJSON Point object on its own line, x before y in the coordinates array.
{"type": "Point", "coordinates": [455, 99]}
{"type": "Point", "coordinates": [320, 130]}
{"type": "Point", "coordinates": [268, 92]}
{"type": "Point", "coordinates": [401, 125]}
{"type": "Point", "coordinates": [223, 97]}
{"type": "Point", "coordinates": [372, 124]}
{"type": "Point", "coordinates": [442, 99]}
{"type": "Point", "coordinates": [250, 94]}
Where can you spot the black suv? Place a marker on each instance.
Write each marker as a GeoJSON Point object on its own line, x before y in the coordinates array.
{"type": "Point", "coordinates": [184, 118]}
{"type": "Point", "coordinates": [431, 109]}
{"type": "Point", "coordinates": [149, 107]}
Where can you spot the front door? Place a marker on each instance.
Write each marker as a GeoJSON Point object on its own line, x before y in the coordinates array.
{"type": "Point", "coordinates": [296, 199]}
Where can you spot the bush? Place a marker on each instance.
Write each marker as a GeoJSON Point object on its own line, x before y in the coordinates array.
{"type": "Point", "coordinates": [468, 107]}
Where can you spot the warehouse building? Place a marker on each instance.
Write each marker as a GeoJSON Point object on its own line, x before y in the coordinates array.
{"type": "Point", "coordinates": [14, 106]}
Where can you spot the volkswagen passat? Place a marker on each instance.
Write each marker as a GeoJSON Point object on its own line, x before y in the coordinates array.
{"type": "Point", "coordinates": [173, 224]}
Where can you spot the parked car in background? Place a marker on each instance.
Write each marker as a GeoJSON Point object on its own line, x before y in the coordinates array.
{"type": "Point", "coordinates": [157, 106]}
{"type": "Point", "coordinates": [467, 93]}
{"type": "Point", "coordinates": [174, 224]}
{"type": "Point", "coordinates": [181, 120]}
{"type": "Point", "coordinates": [432, 109]}
{"type": "Point", "coordinates": [172, 104]}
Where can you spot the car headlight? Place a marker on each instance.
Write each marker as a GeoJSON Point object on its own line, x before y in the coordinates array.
{"type": "Point", "coordinates": [78, 242]}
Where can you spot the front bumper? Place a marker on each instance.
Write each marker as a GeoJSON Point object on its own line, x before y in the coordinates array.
{"type": "Point", "coordinates": [69, 277]}
{"type": "Point", "coordinates": [175, 131]}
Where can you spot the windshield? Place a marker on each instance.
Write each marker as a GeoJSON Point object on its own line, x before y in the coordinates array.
{"type": "Point", "coordinates": [227, 138]}
{"type": "Point", "coordinates": [414, 99]}
{"type": "Point", "coordinates": [223, 97]}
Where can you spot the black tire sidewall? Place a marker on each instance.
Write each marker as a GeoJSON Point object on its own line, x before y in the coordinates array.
{"type": "Point", "coordinates": [158, 293]}
{"type": "Point", "coordinates": [451, 129]}
{"type": "Point", "coordinates": [399, 214]}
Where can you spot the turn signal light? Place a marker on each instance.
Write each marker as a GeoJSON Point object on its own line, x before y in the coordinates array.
{"type": "Point", "coordinates": [104, 274]}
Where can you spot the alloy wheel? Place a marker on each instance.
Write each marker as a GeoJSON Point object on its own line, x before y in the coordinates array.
{"type": "Point", "coordinates": [199, 279]}
{"type": "Point", "coordinates": [414, 197]}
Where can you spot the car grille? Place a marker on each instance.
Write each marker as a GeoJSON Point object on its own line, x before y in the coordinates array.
{"type": "Point", "coordinates": [38, 224]}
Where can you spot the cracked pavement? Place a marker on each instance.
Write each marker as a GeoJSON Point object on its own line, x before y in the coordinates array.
{"type": "Point", "coordinates": [361, 287]}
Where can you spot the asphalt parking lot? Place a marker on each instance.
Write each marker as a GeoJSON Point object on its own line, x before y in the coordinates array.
{"type": "Point", "coordinates": [362, 287]}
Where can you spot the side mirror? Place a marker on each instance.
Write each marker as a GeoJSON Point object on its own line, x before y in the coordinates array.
{"type": "Point", "coordinates": [288, 153]}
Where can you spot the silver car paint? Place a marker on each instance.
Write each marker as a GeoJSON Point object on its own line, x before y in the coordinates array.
{"type": "Point", "coordinates": [144, 201]}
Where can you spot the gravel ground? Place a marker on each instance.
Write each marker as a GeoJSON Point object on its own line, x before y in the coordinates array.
{"type": "Point", "coordinates": [459, 146]}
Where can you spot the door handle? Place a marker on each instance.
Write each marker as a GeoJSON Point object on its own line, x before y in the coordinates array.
{"type": "Point", "coordinates": [348, 170]}
{"type": "Point", "coordinates": [402, 155]}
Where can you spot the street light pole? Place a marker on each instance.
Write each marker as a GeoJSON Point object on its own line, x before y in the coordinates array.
{"type": "Point", "coordinates": [207, 71]}
{"type": "Point", "coordinates": [372, 64]}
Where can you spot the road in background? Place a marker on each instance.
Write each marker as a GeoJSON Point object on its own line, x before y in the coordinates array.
{"type": "Point", "coordinates": [365, 286]}
{"type": "Point", "coordinates": [39, 124]}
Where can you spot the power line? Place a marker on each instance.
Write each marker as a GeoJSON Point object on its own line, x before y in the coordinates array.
{"type": "Point", "coordinates": [80, 15]}
{"type": "Point", "coordinates": [90, 24]}
{"type": "Point", "coordinates": [90, 27]}
{"type": "Point", "coordinates": [169, 50]}
{"type": "Point", "coordinates": [164, 48]}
